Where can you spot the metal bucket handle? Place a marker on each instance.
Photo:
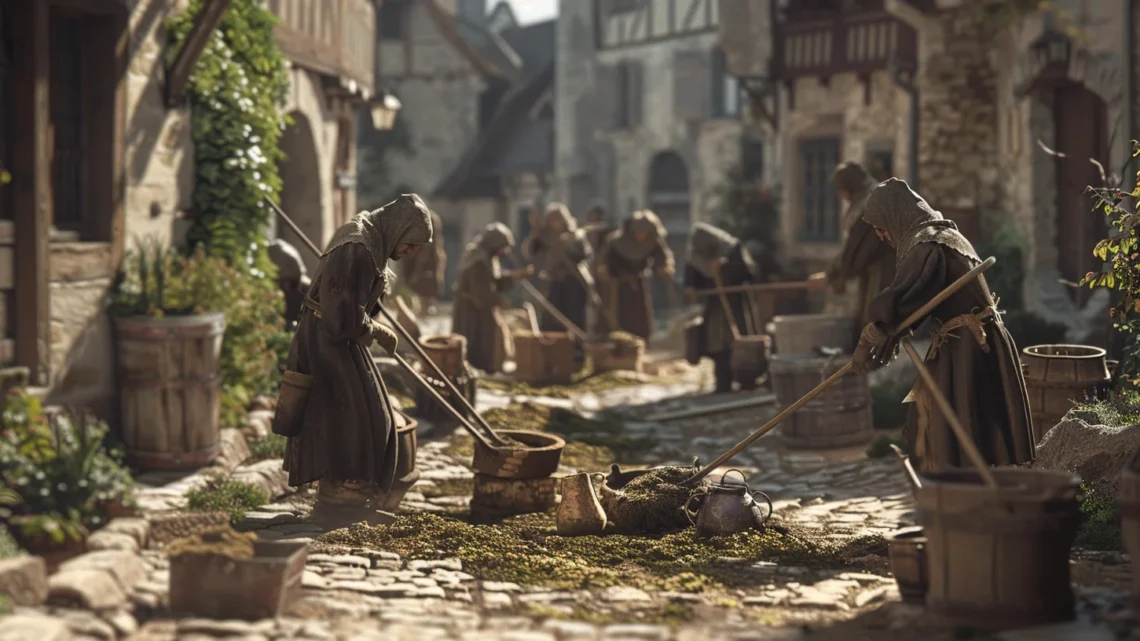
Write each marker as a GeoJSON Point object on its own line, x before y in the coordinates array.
{"type": "Point", "coordinates": [692, 514]}
{"type": "Point", "coordinates": [743, 479]}
{"type": "Point", "coordinates": [768, 500]}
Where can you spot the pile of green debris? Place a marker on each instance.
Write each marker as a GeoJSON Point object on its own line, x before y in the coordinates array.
{"type": "Point", "coordinates": [528, 551]}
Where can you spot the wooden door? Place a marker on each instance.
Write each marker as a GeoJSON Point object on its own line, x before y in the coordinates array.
{"type": "Point", "coordinates": [1080, 118]}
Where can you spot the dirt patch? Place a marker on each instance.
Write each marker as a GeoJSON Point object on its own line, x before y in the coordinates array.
{"type": "Point", "coordinates": [527, 550]}
{"type": "Point", "coordinates": [223, 541]}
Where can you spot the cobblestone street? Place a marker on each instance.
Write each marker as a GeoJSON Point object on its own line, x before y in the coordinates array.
{"type": "Point", "coordinates": [364, 593]}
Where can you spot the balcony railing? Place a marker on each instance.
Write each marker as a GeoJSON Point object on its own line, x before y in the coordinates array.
{"type": "Point", "coordinates": [851, 43]}
{"type": "Point", "coordinates": [333, 37]}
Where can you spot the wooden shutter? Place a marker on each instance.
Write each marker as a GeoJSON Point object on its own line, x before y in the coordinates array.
{"type": "Point", "coordinates": [609, 102]}
{"type": "Point", "coordinates": [635, 98]}
{"type": "Point", "coordinates": [818, 159]}
{"type": "Point", "coordinates": [691, 80]}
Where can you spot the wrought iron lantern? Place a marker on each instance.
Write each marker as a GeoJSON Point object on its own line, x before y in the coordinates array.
{"type": "Point", "coordinates": [384, 109]}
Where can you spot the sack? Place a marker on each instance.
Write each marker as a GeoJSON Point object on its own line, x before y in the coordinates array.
{"type": "Point", "coordinates": [289, 417]}
{"type": "Point", "coordinates": [694, 340]}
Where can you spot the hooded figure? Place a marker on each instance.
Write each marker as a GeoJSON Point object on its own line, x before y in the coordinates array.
{"type": "Point", "coordinates": [423, 272]}
{"type": "Point", "coordinates": [346, 437]}
{"type": "Point", "coordinates": [864, 258]}
{"type": "Point", "coordinates": [559, 252]}
{"type": "Point", "coordinates": [292, 278]}
{"type": "Point", "coordinates": [479, 298]}
{"type": "Point", "coordinates": [623, 271]}
{"type": "Point", "coordinates": [717, 258]}
{"type": "Point", "coordinates": [598, 226]}
{"type": "Point", "coordinates": [971, 356]}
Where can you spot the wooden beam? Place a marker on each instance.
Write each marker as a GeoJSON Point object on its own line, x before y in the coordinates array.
{"type": "Point", "coordinates": [179, 72]}
{"type": "Point", "coordinates": [32, 188]}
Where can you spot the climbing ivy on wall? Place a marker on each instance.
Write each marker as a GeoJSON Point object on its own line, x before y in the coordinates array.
{"type": "Point", "coordinates": [236, 93]}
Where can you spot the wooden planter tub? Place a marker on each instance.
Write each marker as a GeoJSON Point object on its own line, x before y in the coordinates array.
{"type": "Point", "coordinates": [1056, 376]}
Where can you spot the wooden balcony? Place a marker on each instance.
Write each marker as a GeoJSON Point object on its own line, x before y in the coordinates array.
{"type": "Point", "coordinates": [336, 38]}
{"type": "Point", "coordinates": [825, 43]}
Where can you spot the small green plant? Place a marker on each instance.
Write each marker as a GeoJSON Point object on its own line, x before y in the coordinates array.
{"type": "Point", "coordinates": [221, 494]}
{"type": "Point", "coordinates": [1118, 408]}
{"type": "Point", "coordinates": [52, 526]}
{"type": "Point", "coordinates": [60, 467]}
{"type": "Point", "coordinates": [270, 447]}
{"type": "Point", "coordinates": [8, 546]}
{"type": "Point", "coordinates": [1100, 519]}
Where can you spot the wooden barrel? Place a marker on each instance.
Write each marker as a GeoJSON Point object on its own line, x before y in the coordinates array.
{"type": "Point", "coordinates": [1128, 497]}
{"type": "Point", "coordinates": [429, 409]}
{"type": "Point", "coordinates": [170, 386]}
{"type": "Point", "coordinates": [748, 359]}
{"type": "Point", "coordinates": [1056, 376]}
{"type": "Point", "coordinates": [449, 353]}
{"type": "Point", "coordinates": [545, 359]}
{"type": "Point", "coordinates": [999, 560]}
{"type": "Point", "coordinates": [613, 355]}
{"type": "Point", "coordinates": [839, 417]}
{"type": "Point", "coordinates": [803, 333]}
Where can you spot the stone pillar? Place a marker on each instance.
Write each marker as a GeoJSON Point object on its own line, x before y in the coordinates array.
{"type": "Point", "coordinates": [958, 122]}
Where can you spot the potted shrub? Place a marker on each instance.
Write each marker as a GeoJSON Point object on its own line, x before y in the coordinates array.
{"type": "Point", "coordinates": [169, 323]}
{"type": "Point", "coordinates": [63, 477]}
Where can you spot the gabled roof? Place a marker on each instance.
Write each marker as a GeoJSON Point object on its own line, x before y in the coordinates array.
{"type": "Point", "coordinates": [534, 44]}
{"type": "Point", "coordinates": [502, 14]}
{"type": "Point", "coordinates": [449, 28]}
{"type": "Point", "coordinates": [512, 142]}
{"type": "Point", "coordinates": [490, 46]}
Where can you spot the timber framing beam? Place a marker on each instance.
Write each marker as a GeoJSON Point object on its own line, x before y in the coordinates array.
{"type": "Point", "coordinates": [179, 72]}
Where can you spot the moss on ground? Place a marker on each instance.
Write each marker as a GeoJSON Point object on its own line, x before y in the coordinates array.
{"type": "Point", "coordinates": [449, 487]}
{"type": "Point", "coordinates": [223, 541]}
{"type": "Point", "coordinates": [221, 494]}
{"type": "Point", "coordinates": [527, 550]}
{"type": "Point", "coordinates": [592, 443]}
{"type": "Point", "coordinates": [587, 383]}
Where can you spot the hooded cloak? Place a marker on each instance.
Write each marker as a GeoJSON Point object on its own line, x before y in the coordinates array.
{"type": "Point", "coordinates": [423, 273]}
{"type": "Point", "coordinates": [908, 218]}
{"type": "Point", "coordinates": [478, 291]}
{"type": "Point", "coordinates": [627, 261]}
{"type": "Point", "coordinates": [625, 243]}
{"type": "Point", "coordinates": [559, 254]}
{"type": "Point", "coordinates": [707, 245]}
{"type": "Point", "coordinates": [348, 428]}
{"type": "Point", "coordinates": [852, 178]}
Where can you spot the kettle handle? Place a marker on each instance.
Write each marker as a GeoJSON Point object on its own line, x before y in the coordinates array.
{"type": "Point", "coordinates": [692, 514]}
{"type": "Point", "coordinates": [598, 476]}
{"type": "Point", "coordinates": [743, 479]}
{"type": "Point", "coordinates": [767, 500]}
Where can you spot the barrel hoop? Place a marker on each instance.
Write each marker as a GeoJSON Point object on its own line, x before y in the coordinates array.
{"type": "Point", "coordinates": [1077, 385]}
{"type": "Point", "coordinates": [173, 383]}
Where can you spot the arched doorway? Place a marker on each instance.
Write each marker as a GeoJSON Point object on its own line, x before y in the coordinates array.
{"type": "Point", "coordinates": [1080, 119]}
{"type": "Point", "coordinates": [301, 187]}
{"type": "Point", "coordinates": [670, 199]}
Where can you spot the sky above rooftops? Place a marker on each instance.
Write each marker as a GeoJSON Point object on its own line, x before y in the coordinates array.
{"type": "Point", "coordinates": [531, 11]}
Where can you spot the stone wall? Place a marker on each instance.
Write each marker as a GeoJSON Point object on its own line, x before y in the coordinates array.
{"type": "Point", "coordinates": [839, 108]}
{"type": "Point", "coordinates": [577, 179]}
{"type": "Point", "coordinates": [159, 162]}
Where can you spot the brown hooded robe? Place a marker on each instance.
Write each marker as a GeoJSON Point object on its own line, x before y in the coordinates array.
{"type": "Point", "coordinates": [864, 257]}
{"type": "Point", "coordinates": [627, 262]}
{"type": "Point", "coordinates": [348, 431]}
{"type": "Point", "coordinates": [976, 364]}
{"type": "Point", "coordinates": [560, 258]}
{"type": "Point", "coordinates": [478, 294]}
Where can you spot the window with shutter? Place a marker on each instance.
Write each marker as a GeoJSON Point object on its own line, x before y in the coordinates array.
{"type": "Point", "coordinates": [818, 158]}
{"type": "Point", "coordinates": [690, 85]}
{"type": "Point", "coordinates": [622, 96]}
{"type": "Point", "coordinates": [725, 89]}
{"type": "Point", "coordinates": [636, 94]}
{"type": "Point", "coordinates": [608, 105]}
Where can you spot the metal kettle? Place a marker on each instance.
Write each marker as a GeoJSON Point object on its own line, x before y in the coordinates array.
{"type": "Point", "coordinates": [727, 508]}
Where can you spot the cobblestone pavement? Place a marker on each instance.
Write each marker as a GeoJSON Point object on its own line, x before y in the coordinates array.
{"type": "Point", "coordinates": [123, 592]}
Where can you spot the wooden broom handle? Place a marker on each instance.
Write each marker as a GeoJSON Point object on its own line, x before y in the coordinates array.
{"type": "Point", "coordinates": [917, 316]}
{"type": "Point", "coordinates": [754, 287]}
{"type": "Point", "coordinates": [727, 307]}
{"type": "Point", "coordinates": [944, 406]}
{"type": "Point", "coordinates": [549, 307]}
{"type": "Point", "coordinates": [479, 436]}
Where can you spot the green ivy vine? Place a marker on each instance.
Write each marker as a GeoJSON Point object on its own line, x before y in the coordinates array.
{"type": "Point", "coordinates": [236, 93]}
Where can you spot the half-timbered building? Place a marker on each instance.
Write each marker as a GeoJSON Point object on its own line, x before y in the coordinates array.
{"type": "Point", "coordinates": [648, 115]}
{"type": "Point", "coordinates": [95, 136]}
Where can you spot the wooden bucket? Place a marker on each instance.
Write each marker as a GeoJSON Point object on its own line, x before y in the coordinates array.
{"type": "Point", "coordinates": [1056, 376]}
{"type": "Point", "coordinates": [1000, 560]}
{"type": "Point", "coordinates": [449, 353]}
{"type": "Point", "coordinates": [694, 340]}
{"type": "Point", "coordinates": [429, 409]}
{"type": "Point", "coordinates": [803, 333]}
{"type": "Point", "coordinates": [748, 358]}
{"type": "Point", "coordinates": [839, 417]}
{"type": "Point", "coordinates": [907, 551]}
{"type": "Point", "coordinates": [170, 381]}
{"type": "Point", "coordinates": [616, 355]}
{"type": "Point", "coordinates": [545, 359]}
{"type": "Point", "coordinates": [1129, 499]}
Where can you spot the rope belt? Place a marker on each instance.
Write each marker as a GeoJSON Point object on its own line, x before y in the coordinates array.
{"type": "Point", "coordinates": [974, 322]}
